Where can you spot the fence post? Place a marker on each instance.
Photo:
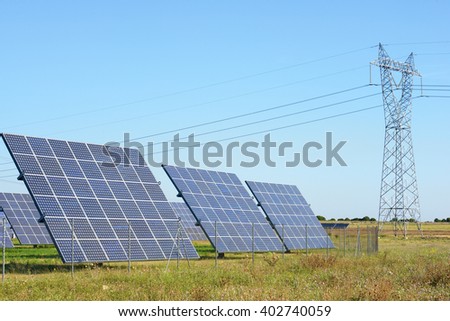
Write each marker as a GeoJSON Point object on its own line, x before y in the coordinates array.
{"type": "Point", "coordinates": [377, 230]}
{"type": "Point", "coordinates": [253, 243]}
{"type": "Point", "coordinates": [345, 240]}
{"type": "Point", "coordinates": [4, 250]}
{"type": "Point", "coordinates": [358, 240]}
{"type": "Point", "coordinates": [73, 250]}
{"type": "Point", "coordinates": [178, 243]}
{"type": "Point", "coordinates": [328, 245]}
{"type": "Point", "coordinates": [282, 241]}
{"type": "Point", "coordinates": [215, 244]}
{"type": "Point", "coordinates": [306, 233]}
{"type": "Point", "coordinates": [129, 247]}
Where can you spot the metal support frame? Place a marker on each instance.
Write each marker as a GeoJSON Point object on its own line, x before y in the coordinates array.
{"type": "Point", "coordinates": [179, 237]}
{"type": "Point", "coordinates": [399, 197]}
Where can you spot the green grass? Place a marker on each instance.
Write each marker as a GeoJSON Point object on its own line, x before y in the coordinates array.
{"type": "Point", "coordinates": [412, 269]}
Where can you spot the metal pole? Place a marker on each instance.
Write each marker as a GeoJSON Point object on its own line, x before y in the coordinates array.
{"type": "Point", "coordinates": [253, 243]}
{"type": "Point", "coordinates": [282, 241]}
{"type": "Point", "coordinates": [178, 245]}
{"type": "Point", "coordinates": [183, 239]}
{"type": "Point", "coordinates": [404, 228]}
{"type": "Point", "coordinates": [376, 238]}
{"type": "Point", "coordinates": [129, 247]}
{"type": "Point", "coordinates": [345, 240]}
{"type": "Point", "coordinates": [215, 243]}
{"type": "Point", "coordinates": [72, 250]}
{"type": "Point", "coordinates": [357, 242]}
{"type": "Point", "coordinates": [328, 245]}
{"type": "Point", "coordinates": [306, 233]}
{"type": "Point", "coordinates": [368, 240]}
{"type": "Point", "coordinates": [4, 250]}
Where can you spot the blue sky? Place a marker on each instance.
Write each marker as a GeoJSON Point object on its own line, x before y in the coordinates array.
{"type": "Point", "coordinates": [92, 71]}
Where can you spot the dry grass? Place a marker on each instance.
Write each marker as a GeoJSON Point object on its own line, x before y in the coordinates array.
{"type": "Point", "coordinates": [413, 269]}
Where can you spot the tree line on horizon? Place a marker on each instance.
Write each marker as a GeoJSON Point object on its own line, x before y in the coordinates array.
{"type": "Point", "coordinates": [372, 219]}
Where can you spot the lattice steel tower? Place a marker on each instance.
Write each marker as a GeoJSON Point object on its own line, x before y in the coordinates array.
{"type": "Point", "coordinates": [399, 199]}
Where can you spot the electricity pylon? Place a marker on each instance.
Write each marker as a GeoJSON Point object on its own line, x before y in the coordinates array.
{"type": "Point", "coordinates": [399, 198]}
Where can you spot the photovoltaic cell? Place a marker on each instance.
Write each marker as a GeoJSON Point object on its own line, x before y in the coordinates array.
{"type": "Point", "coordinates": [291, 215]}
{"type": "Point", "coordinates": [99, 203]}
{"type": "Point", "coordinates": [225, 210]}
{"type": "Point", "coordinates": [189, 222]}
{"type": "Point", "coordinates": [24, 217]}
{"type": "Point", "coordinates": [5, 228]}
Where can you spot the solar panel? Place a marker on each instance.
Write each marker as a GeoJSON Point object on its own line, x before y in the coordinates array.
{"type": "Point", "coordinates": [291, 215]}
{"type": "Point", "coordinates": [99, 203]}
{"type": "Point", "coordinates": [189, 222]}
{"type": "Point", "coordinates": [5, 228]}
{"type": "Point", "coordinates": [24, 217]}
{"type": "Point", "coordinates": [225, 210]}
{"type": "Point", "coordinates": [335, 226]}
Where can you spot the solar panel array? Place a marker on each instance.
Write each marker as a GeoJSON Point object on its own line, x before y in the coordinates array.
{"type": "Point", "coordinates": [8, 241]}
{"type": "Point", "coordinates": [23, 216]}
{"type": "Point", "coordinates": [291, 215]}
{"type": "Point", "coordinates": [189, 222]}
{"type": "Point", "coordinates": [225, 210]}
{"type": "Point", "coordinates": [97, 201]}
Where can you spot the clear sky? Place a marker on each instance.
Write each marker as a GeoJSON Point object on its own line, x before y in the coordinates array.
{"type": "Point", "coordinates": [94, 70]}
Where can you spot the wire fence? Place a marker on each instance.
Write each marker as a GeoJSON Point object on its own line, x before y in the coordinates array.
{"type": "Point", "coordinates": [342, 240]}
{"type": "Point", "coordinates": [359, 241]}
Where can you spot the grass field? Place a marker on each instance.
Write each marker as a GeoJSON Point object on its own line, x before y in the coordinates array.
{"type": "Point", "coordinates": [412, 269]}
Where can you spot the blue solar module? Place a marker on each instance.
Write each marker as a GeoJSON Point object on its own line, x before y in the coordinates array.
{"type": "Point", "coordinates": [24, 217]}
{"type": "Point", "coordinates": [335, 226]}
{"type": "Point", "coordinates": [98, 201]}
{"type": "Point", "coordinates": [5, 228]}
{"type": "Point", "coordinates": [225, 210]}
{"type": "Point", "coordinates": [291, 215]}
{"type": "Point", "coordinates": [189, 222]}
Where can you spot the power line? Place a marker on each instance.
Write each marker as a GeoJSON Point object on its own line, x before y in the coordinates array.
{"type": "Point", "coordinates": [213, 101]}
{"type": "Point", "coordinates": [292, 125]}
{"type": "Point", "coordinates": [193, 88]}
{"type": "Point", "coordinates": [11, 182]}
{"type": "Point", "coordinates": [286, 126]}
{"type": "Point", "coordinates": [416, 43]}
{"type": "Point", "coordinates": [434, 96]}
{"type": "Point", "coordinates": [431, 85]}
{"type": "Point", "coordinates": [280, 117]}
{"type": "Point", "coordinates": [7, 176]}
{"type": "Point", "coordinates": [252, 113]}
{"type": "Point", "coordinates": [304, 123]}
{"type": "Point", "coordinates": [432, 54]}
{"type": "Point", "coordinates": [436, 89]}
